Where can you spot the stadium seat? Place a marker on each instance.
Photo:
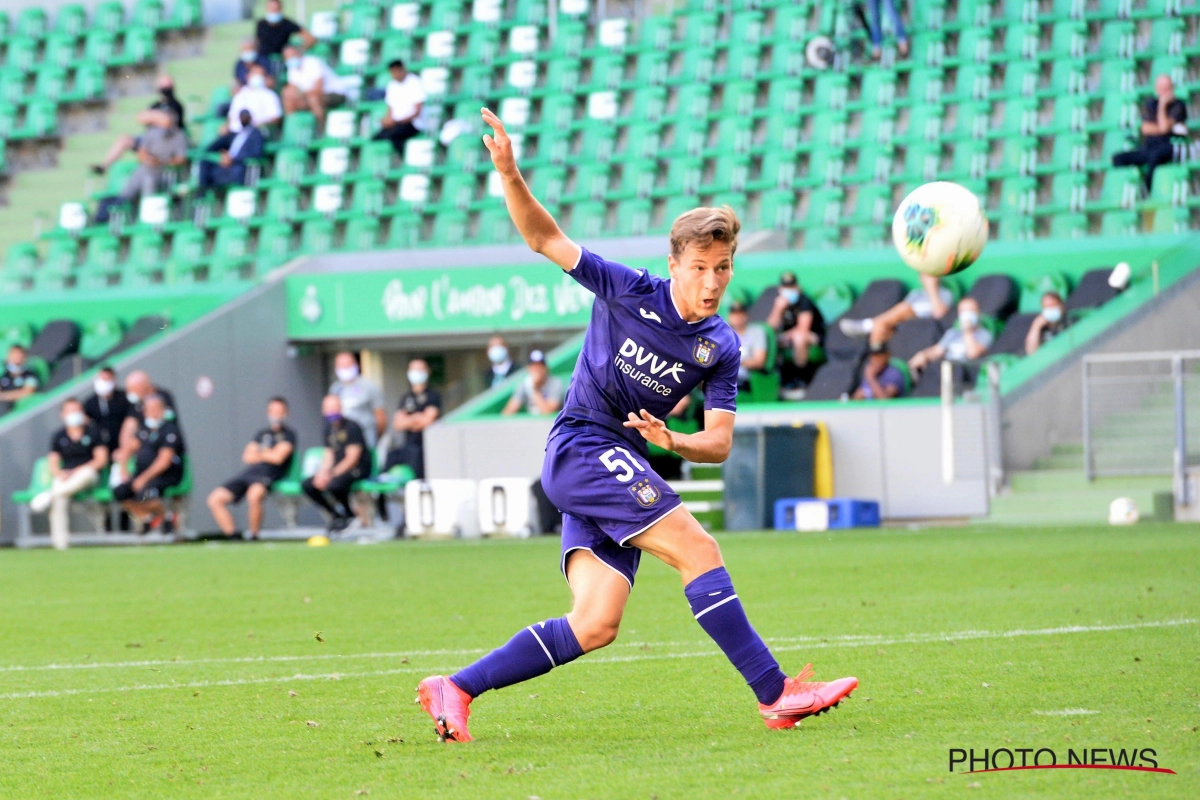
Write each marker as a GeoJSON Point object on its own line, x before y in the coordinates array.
{"type": "Point", "coordinates": [833, 380]}
{"type": "Point", "coordinates": [930, 382]}
{"type": "Point", "coordinates": [997, 295]}
{"type": "Point", "coordinates": [1012, 338]}
{"type": "Point", "coordinates": [1092, 291]}
{"type": "Point", "coordinates": [913, 336]}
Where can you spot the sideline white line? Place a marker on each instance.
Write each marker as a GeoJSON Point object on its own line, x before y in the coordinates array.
{"type": "Point", "coordinates": [809, 644]}
{"type": "Point", "coordinates": [1066, 712]}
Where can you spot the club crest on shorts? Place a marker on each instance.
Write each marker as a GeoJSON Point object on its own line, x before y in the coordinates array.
{"type": "Point", "coordinates": [705, 351]}
{"type": "Point", "coordinates": [646, 493]}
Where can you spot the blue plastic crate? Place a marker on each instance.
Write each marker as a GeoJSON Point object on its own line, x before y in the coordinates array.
{"type": "Point", "coordinates": [844, 512]}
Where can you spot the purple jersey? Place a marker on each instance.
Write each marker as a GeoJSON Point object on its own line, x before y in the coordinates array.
{"type": "Point", "coordinates": [638, 352]}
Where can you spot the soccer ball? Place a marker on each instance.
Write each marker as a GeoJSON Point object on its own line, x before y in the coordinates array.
{"type": "Point", "coordinates": [940, 228]}
{"type": "Point", "coordinates": [1123, 511]}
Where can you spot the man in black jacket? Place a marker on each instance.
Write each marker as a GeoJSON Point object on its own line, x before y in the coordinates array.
{"type": "Point", "coordinates": [107, 407]}
{"type": "Point", "coordinates": [346, 459]}
{"type": "Point", "coordinates": [1163, 116]}
{"type": "Point", "coordinates": [235, 150]}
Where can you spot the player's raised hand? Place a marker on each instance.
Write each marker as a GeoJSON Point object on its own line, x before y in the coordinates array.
{"type": "Point", "coordinates": [499, 145]}
{"type": "Point", "coordinates": [652, 429]}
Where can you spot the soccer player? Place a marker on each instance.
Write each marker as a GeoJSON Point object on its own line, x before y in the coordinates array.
{"type": "Point", "coordinates": [649, 343]}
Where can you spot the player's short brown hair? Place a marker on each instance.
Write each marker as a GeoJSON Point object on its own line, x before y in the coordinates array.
{"type": "Point", "coordinates": [703, 226]}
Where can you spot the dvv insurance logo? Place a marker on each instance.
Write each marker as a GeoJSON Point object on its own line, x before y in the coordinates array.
{"type": "Point", "coordinates": [1009, 759]}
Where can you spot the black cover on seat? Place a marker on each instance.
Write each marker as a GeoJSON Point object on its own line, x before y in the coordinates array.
{"type": "Point", "coordinates": [63, 372]}
{"type": "Point", "coordinates": [1093, 290]}
{"type": "Point", "coordinates": [1012, 338]}
{"type": "Point", "coordinates": [833, 379]}
{"type": "Point", "coordinates": [143, 329]}
{"type": "Point", "coordinates": [912, 336]}
{"type": "Point", "coordinates": [761, 307]}
{"type": "Point", "coordinates": [57, 339]}
{"type": "Point", "coordinates": [930, 384]}
{"type": "Point", "coordinates": [877, 298]}
{"type": "Point", "coordinates": [997, 295]}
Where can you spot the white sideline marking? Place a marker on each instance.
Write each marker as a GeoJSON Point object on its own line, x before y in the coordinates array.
{"type": "Point", "coordinates": [1066, 712]}
{"type": "Point", "coordinates": [799, 643]}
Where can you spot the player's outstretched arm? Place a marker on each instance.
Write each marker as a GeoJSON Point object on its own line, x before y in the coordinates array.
{"type": "Point", "coordinates": [709, 446]}
{"type": "Point", "coordinates": [539, 229]}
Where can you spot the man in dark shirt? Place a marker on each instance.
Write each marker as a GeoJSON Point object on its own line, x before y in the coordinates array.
{"type": "Point", "coordinates": [234, 150]}
{"type": "Point", "coordinates": [1163, 116]}
{"type": "Point", "coordinates": [418, 409]}
{"type": "Point", "coordinates": [107, 407]}
{"type": "Point", "coordinates": [880, 379]}
{"type": "Point", "coordinates": [346, 459]}
{"type": "Point", "coordinates": [76, 458]}
{"type": "Point", "coordinates": [268, 457]}
{"type": "Point", "coordinates": [16, 381]}
{"type": "Point", "coordinates": [274, 30]}
{"type": "Point", "coordinates": [138, 387]}
{"type": "Point", "coordinates": [799, 326]}
{"type": "Point", "coordinates": [247, 57]}
{"type": "Point", "coordinates": [158, 465]}
{"type": "Point", "coordinates": [501, 361]}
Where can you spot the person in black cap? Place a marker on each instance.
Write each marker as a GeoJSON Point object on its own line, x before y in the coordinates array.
{"type": "Point", "coordinates": [753, 340]}
{"type": "Point", "coordinates": [800, 326]}
{"type": "Point", "coordinates": [881, 380]}
{"type": "Point", "coordinates": [540, 392]}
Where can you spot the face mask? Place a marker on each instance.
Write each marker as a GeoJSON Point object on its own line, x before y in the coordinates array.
{"type": "Point", "coordinates": [246, 120]}
{"type": "Point", "coordinates": [257, 81]}
{"type": "Point", "coordinates": [969, 318]}
{"type": "Point", "coordinates": [153, 424]}
{"type": "Point", "coordinates": [276, 422]}
{"type": "Point", "coordinates": [417, 377]}
{"type": "Point", "coordinates": [134, 397]}
{"type": "Point", "coordinates": [16, 369]}
{"type": "Point", "coordinates": [333, 419]}
{"type": "Point", "coordinates": [75, 419]}
{"type": "Point", "coordinates": [293, 63]}
{"type": "Point", "coordinates": [791, 295]}
{"type": "Point", "coordinates": [248, 57]}
{"type": "Point", "coordinates": [346, 374]}
{"type": "Point", "coordinates": [103, 388]}
{"type": "Point", "coordinates": [167, 92]}
{"type": "Point", "coordinates": [273, 17]}
{"type": "Point", "coordinates": [497, 354]}
{"type": "Point", "coordinates": [1052, 314]}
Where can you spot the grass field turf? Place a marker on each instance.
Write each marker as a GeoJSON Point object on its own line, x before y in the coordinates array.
{"type": "Point", "coordinates": [177, 668]}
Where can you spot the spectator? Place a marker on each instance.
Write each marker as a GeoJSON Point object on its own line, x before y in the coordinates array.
{"type": "Point", "coordinates": [540, 392]}
{"type": "Point", "coordinates": [405, 97]}
{"type": "Point", "coordinates": [875, 27]}
{"type": "Point", "coordinates": [268, 458]}
{"type": "Point", "coordinates": [346, 459]}
{"type": "Point", "coordinates": [158, 465]}
{"type": "Point", "coordinates": [931, 301]}
{"type": "Point", "coordinates": [138, 387]}
{"type": "Point", "coordinates": [153, 116]}
{"type": "Point", "coordinates": [501, 360]}
{"type": "Point", "coordinates": [262, 103]}
{"type": "Point", "coordinates": [800, 326]}
{"type": "Point", "coordinates": [1163, 116]}
{"type": "Point", "coordinates": [418, 409]}
{"type": "Point", "coordinates": [1048, 324]}
{"type": "Point", "coordinates": [362, 400]}
{"type": "Point", "coordinates": [107, 407]}
{"type": "Point", "coordinates": [753, 340]}
{"type": "Point", "coordinates": [235, 150]}
{"type": "Point", "coordinates": [16, 382]}
{"type": "Point", "coordinates": [274, 31]}
{"type": "Point", "coordinates": [881, 380]}
{"type": "Point", "coordinates": [77, 455]}
{"type": "Point", "coordinates": [966, 341]}
{"type": "Point", "coordinates": [311, 85]}
{"type": "Point", "coordinates": [248, 56]}
{"type": "Point", "coordinates": [163, 145]}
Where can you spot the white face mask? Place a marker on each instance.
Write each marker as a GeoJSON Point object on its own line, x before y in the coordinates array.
{"type": "Point", "coordinates": [134, 397]}
{"type": "Point", "coordinates": [248, 56]}
{"type": "Point", "coordinates": [1052, 314]}
{"type": "Point", "coordinates": [417, 377]}
{"type": "Point", "coordinates": [103, 388]}
{"type": "Point", "coordinates": [497, 354]}
{"type": "Point", "coordinates": [153, 424]}
{"type": "Point", "coordinates": [969, 318]}
{"type": "Point", "coordinates": [346, 374]}
{"type": "Point", "coordinates": [276, 422]}
{"type": "Point", "coordinates": [257, 81]}
{"type": "Point", "coordinates": [75, 419]}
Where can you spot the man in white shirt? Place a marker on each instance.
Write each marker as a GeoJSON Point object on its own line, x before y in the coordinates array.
{"type": "Point", "coordinates": [311, 85]}
{"type": "Point", "coordinates": [405, 98]}
{"type": "Point", "coordinates": [255, 97]}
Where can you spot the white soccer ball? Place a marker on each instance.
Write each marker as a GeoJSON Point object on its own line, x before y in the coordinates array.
{"type": "Point", "coordinates": [940, 228]}
{"type": "Point", "coordinates": [1123, 511]}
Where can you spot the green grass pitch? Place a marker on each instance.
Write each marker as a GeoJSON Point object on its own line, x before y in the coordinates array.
{"type": "Point", "coordinates": [197, 672]}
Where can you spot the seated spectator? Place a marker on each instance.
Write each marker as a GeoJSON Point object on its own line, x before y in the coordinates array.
{"type": "Point", "coordinates": [255, 97]}
{"type": "Point", "coordinates": [311, 85]}
{"type": "Point", "coordinates": [875, 27]}
{"type": "Point", "coordinates": [235, 149]}
{"type": "Point", "coordinates": [138, 387]}
{"type": "Point", "coordinates": [405, 97]}
{"type": "Point", "coordinates": [1048, 324]}
{"type": "Point", "coordinates": [274, 31]}
{"type": "Point", "coordinates": [931, 301]}
{"type": "Point", "coordinates": [501, 360]}
{"type": "Point", "coordinates": [248, 56]}
{"type": "Point", "coordinates": [966, 341]}
{"type": "Point", "coordinates": [268, 458]}
{"type": "Point", "coordinates": [76, 457]}
{"type": "Point", "coordinates": [881, 380]}
{"type": "Point", "coordinates": [163, 145]}
{"type": "Point", "coordinates": [16, 382]}
{"type": "Point", "coordinates": [753, 340]}
{"type": "Point", "coordinates": [346, 459]}
{"type": "Point", "coordinates": [1163, 116]}
{"type": "Point", "coordinates": [419, 409]}
{"type": "Point", "coordinates": [800, 326]}
{"type": "Point", "coordinates": [167, 101]}
{"type": "Point", "coordinates": [362, 399]}
{"type": "Point", "coordinates": [540, 392]}
{"type": "Point", "coordinates": [158, 465]}
{"type": "Point", "coordinates": [107, 407]}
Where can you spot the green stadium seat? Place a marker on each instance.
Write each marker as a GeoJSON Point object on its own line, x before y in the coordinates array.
{"type": "Point", "coordinates": [109, 16]}
{"type": "Point", "coordinates": [51, 82]}
{"type": "Point", "coordinates": [147, 13]}
{"type": "Point", "coordinates": [137, 47]}
{"type": "Point", "coordinates": [32, 22]}
{"type": "Point", "coordinates": [1032, 291]}
{"type": "Point", "coordinates": [70, 20]}
{"type": "Point", "coordinates": [187, 256]}
{"type": "Point", "coordinates": [833, 300]}
{"type": "Point", "coordinates": [21, 53]}
{"type": "Point", "coordinates": [16, 333]}
{"type": "Point", "coordinates": [99, 338]}
{"type": "Point", "coordinates": [184, 14]}
{"type": "Point", "coordinates": [274, 246]}
{"type": "Point", "coordinates": [299, 130]}
{"type": "Point", "coordinates": [100, 46]}
{"type": "Point", "coordinates": [12, 91]}
{"type": "Point", "coordinates": [101, 266]}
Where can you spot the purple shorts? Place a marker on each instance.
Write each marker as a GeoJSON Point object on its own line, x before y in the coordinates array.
{"type": "Point", "coordinates": [607, 492]}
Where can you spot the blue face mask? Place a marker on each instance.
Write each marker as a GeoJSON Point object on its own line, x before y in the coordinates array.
{"type": "Point", "coordinates": [333, 419]}
{"type": "Point", "coordinates": [293, 63]}
{"type": "Point", "coordinates": [273, 17]}
{"type": "Point", "coordinates": [153, 424]}
{"type": "Point", "coordinates": [791, 295]}
{"type": "Point", "coordinates": [969, 318]}
{"type": "Point", "coordinates": [248, 57]}
{"type": "Point", "coordinates": [1052, 314]}
{"type": "Point", "coordinates": [16, 369]}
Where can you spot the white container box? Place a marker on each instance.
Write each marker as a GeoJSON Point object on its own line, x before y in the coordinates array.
{"type": "Point", "coordinates": [443, 508]}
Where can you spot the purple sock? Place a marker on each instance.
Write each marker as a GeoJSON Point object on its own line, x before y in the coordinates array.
{"type": "Point", "coordinates": [533, 651]}
{"type": "Point", "coordinates": [718, 610]}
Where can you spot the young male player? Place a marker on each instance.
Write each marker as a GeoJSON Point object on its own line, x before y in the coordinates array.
{"type": "Point", "coordinates": [649, 343]}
